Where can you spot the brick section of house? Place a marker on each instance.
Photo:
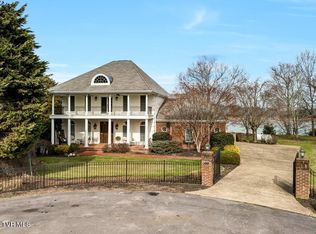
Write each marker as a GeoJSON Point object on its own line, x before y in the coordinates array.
{"type": "Point", "coordinates": [207, 170]}
{"type": "Point", "coordinates": [301, 178]}
{"type": "Point", "coordinates": [176, 131]}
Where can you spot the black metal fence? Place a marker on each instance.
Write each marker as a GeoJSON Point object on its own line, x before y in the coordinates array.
{"type": "Point", "coordinates": [217, 166]}
{"type": "Point", "coordinates": [312, 175]}
{"type": "Point", "coordinates": [19, 179]}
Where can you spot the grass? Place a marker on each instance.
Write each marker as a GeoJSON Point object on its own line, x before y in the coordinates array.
{"type": "Point", "coordinates": [308, 143]}
{"type": "Point", "coordinates": [76, 167]}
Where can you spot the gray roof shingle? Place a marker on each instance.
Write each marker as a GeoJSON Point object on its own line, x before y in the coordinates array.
{"type": "Point", "coordinates": [127, 78]}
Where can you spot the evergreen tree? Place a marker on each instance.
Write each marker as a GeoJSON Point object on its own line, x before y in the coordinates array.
{"type": "Point", "coordinates": [23, 84]}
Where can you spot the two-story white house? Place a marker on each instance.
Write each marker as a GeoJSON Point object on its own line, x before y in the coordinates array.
{"type": "Point", "coordinates": [114, 103]}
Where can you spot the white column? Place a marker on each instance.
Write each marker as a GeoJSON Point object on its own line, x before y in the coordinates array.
{"type": "Point", "coordinates": [86, 134]}
{"type": "Point", "coordinates": [53, 104]}
{"type": "Point", "coordinates": [128, 131]}
{"type": "Point", "coordinates": [68, 104]}
{"type": "Point", "coordinates": [146, 133]}
{"type": "Point", "coordinates": [86, 104]}
{"type": "Point", "coordinates": [128, 107]}
{"type": "Point", "coordinates": [109, 132]}
{"type": "Point", "coordinates": [53, 132]}
{"type": "Point", "coordinates": [146, 105]}
{"type": "Point", "coordinates": [69, 132]}
{"type": "Point", "coordinates": [110, 105]}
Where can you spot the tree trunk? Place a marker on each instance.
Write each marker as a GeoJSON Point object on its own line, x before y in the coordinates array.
{"type": "Point", "coordinates": [247, 132]}
{"type": "Point", "coordinates": [198, 147]}
{"type": "Point", "coordinates": [313, 127]}
{"type": "Point", "coordinates": [254, 132]}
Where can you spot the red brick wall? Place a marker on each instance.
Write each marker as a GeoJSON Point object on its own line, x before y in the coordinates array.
{"type": "Point", "coordinates": [177, 131]}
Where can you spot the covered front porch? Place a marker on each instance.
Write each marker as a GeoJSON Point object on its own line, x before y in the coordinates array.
{"type": "Point", "coordinates": [88, 132]}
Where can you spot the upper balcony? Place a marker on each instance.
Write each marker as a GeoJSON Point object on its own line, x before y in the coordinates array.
{"type": "Point", "coordinates": [108, 106]}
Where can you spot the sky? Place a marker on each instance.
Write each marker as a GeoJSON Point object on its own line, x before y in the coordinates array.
{"type": "Point", "coordinates": [164, 37]}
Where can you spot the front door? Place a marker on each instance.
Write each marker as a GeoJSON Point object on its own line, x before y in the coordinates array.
{"type": "Point", "coordinates": [104, 133]}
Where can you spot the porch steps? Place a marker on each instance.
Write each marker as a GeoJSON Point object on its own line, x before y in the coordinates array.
{"type": "Point", "coordinates": [91, 150]}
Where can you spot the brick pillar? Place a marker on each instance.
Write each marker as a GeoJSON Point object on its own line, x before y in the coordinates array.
{"type": "Point", "coordinates": [301, 178]}
{"type": "Point", "coordinates": [207, 170]}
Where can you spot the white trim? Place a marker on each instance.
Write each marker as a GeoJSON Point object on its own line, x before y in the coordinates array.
{"type": "Point", "coordinates": [100, 84]}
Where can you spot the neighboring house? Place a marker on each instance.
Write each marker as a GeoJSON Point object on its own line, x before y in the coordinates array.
{"type": "Point", "coordinates": [115, 103]}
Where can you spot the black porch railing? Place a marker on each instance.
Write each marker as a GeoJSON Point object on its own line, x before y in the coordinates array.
{"type": "Point", "coordinates": [19, 179]}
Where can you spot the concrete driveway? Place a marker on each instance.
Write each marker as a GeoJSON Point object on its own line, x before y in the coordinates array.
{"type": "Point", "coordinates": [140, 212]}
{"type": "Point", "coordinates": [264, 177]}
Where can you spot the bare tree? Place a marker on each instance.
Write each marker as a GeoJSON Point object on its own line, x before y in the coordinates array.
{"type": "Point", "coordinates": [252, 98]}
{"type": "Point", "coordinates": [307, 67]}
{"type": "Point", "coordinates": [204, 93]}
{"type": "Point", "coordinates": [286, 97]}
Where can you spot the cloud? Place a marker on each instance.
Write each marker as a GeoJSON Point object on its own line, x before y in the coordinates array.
{"type": "Point", "coordinates": [200, 17]}
{"type": "Point", "coordinates": [57, 65]}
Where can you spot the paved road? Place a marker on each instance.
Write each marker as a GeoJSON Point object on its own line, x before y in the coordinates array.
{"type": "Point", "coordinates": [264, 178]}
{"type": "Point", "coordinates": [139, 212]}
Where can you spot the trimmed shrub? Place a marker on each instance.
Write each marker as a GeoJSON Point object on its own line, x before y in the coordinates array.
{"type": "Point", "coordinates": [161, 136]}
{"type": "Point", "coordinates": [116, 148]}
{"type": "Point", "coordinates": [230, 157]}
{"type": "Point", "coordinates": [214, 149]}
{"type": "Point", "coordinates": [232, 148]}
{"type": "Point", "coordinates": [221, 139]}
{"type": "Point", "coordinates": [165, 147]}
{"type": "Point", "coordinates": [311, 133]}
{"type": "Point", "coordinates": [60, 149]}
{"type": "Point", "coordinates": [73, 148]}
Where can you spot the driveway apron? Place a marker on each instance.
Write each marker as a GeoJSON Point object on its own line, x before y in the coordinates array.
{"type": "Point", "coordinates": [264, 177]}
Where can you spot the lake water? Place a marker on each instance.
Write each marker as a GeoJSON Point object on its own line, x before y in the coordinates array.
{"type": "Point", "coordinates": [235, 126]}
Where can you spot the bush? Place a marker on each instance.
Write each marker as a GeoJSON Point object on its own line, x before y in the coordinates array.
{"type": "Point", "coordinates": [242, 137]}
{"type": "Point", "coordinates": [232, 148]}
{"type": "Point", "coordinates": [215, 148]}
{"type": "Point", "coordinates": [60, 149]}
{"type": "Point", "coordinates": [116, 148]}
{"type": "Point", "coordinates": [165, 147]}
{"type": "Point", "coordinates": [230, 157]}
{"type": "Point", "coordinates": [73, 148]}
{"type": "Point", "coordinates": [311, 133]}
{"type": "Point", "coordinates": [221, 139]}
{"type": "Point", "coordinates": [268, 129]}
{"type": "Point", "coordinates": [161, 136]}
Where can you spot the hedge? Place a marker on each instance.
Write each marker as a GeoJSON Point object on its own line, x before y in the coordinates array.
{"type": "Point", "coordinates": [161, 136]}
{"type": "Point", "coordinates": [221, 139]}
{"type": "Point", "coordinates": [116, 148]}
{"type": "Point", "coordinates": [165, 147]}
{"type": "Point", "coordinates": [230, 157]}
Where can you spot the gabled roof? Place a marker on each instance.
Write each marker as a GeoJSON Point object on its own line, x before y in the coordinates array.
{"type": "Point", "coordinates": [127, 78]}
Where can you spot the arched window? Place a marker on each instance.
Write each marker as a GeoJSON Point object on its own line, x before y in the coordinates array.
{"type": "Point", "coordinates": [101, 79]}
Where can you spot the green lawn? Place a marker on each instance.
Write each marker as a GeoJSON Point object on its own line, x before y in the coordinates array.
{"type": "Point", "coordinates": [308, 143]}
{"type": "Point", "coordinates": [77, 167]}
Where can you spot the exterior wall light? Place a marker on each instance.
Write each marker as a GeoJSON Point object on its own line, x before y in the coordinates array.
{"type": "Point", "coordinates": [302, 153]}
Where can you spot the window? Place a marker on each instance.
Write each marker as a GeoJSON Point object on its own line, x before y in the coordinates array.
{"type": "Point", "coordinates": [142, 131]}
{"type": "Point", "coordinates": [72, 103]}
{"type": "Point", "coordinates": [125, 129]}
{"type": "Point", "coordinates": [216, 130]}
{"type": "Point", "coordinates": [164, 129]}
{"type": "Point", "coordinates": [142, 103]}
{"type": "Point", "coordinates": [72, 129]}
{"type": "Point", "coordinates": [101, 79]}
{"type": "Point", "coordinates": [124, 103]}
{"type": "Point", "coordinates": [188, 135]}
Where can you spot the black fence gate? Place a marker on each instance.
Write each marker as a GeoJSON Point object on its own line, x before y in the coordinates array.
{"type": "Point", "coordinates": [217, 166]}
